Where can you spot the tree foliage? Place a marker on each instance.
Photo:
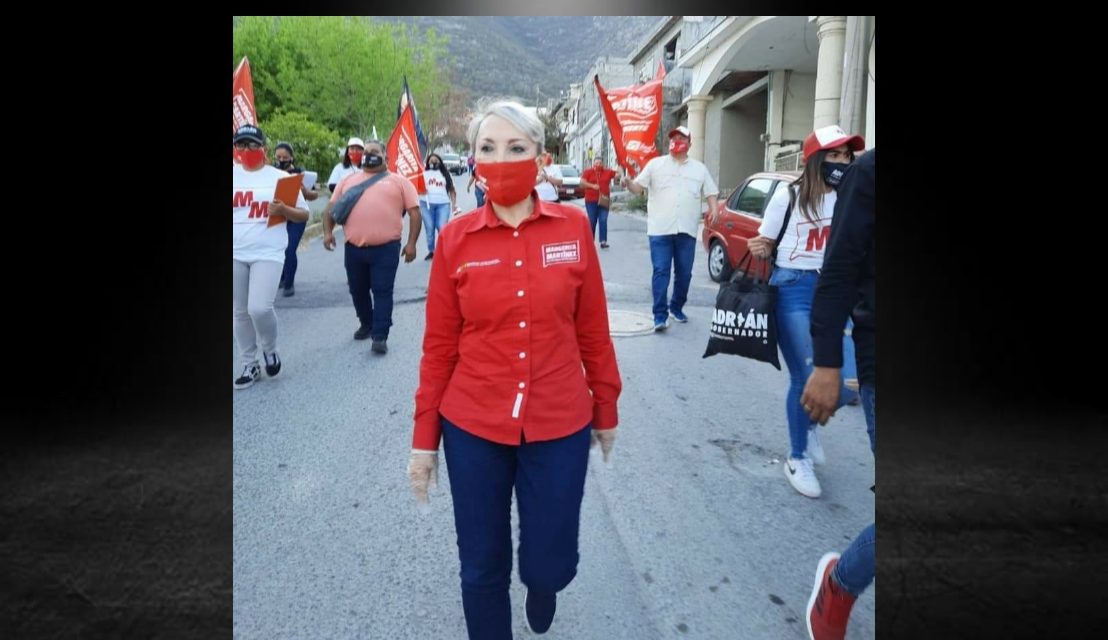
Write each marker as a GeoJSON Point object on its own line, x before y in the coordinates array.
{"type": "Point", "coordinates": [342, 75]}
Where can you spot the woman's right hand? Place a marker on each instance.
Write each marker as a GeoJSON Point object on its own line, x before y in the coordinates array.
{"type": "Point", "coordinates": [328, 241]}
{"type": "Point", "coordinates": [423, 473]}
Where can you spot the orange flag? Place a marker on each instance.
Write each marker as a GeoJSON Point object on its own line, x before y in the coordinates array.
{"type": "Point", "coordinates": [242, 99]}
{"type": "Point", "coordinates": [403, 151]}
{"type": "Point", "coordinates": [633, 115]}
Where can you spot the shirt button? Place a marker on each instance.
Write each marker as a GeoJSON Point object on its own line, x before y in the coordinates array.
{"type": "Point", "coordinates": [522, 355]}
{"type": "Point", "coordinates": [520, 293]}
{"type": "Point", "coordinates": [519, 263]}
{"type": "Point", "coordinates": [521, 385]}
{"type": "Point", "coordinates": [515, 234]}
{"type": "Point", "coordinates": [522, 325]}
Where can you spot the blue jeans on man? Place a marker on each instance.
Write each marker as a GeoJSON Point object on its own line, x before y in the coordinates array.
{"type": "Point", "coordinates": [599, 214]}
{"type": "Point", "coordinates": [671, 252]}
{"type": "Point", "coordinates": [857, 565]}
{"type": "Point", "coordinates": [549, 482]}
{"type": "Point", "coordinates": [373, 269]}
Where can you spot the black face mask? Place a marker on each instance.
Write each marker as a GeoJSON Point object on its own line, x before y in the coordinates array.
{"type": "Point", "coordinates": [284, 165]}
{"type": "Point", "coordinates": [372, 160]}
{"type": "Point", "coordinates": [432, 165]}
{"type": "Point", "coordinates": [833, 173]}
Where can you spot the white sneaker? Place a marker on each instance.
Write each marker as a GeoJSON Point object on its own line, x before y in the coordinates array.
{"type": "Point", "coordinates": [250, 373]}
{"type": "Point", "coordinates": [815, 447]}
{"type": "Point", "coordinates": [802, 477]}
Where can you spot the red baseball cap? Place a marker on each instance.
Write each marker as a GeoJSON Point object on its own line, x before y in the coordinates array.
{"type": "Point", "coordinates": [829, 138]}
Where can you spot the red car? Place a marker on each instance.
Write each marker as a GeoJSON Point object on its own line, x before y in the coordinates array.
{"type": "Point", "coordinates": [738, 219]}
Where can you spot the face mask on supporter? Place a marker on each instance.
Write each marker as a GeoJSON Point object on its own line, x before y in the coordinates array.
{"type": "Point", "coordinates": [373, 160]}
{"type": "Point", "coordinates": [250, 158]}
{"type": "Point", "coordinates": [356, 158]}
{"type": "Point", "coordinates": [508, 182]}
{"type": "Point", "coordinates": [678, 145]}
{"type": "Point", "coordinates": [833, 172]}
{"type": "Point", "coordinates": [433, 164]}
{"type": "Point", "coordinates": [284, 165]}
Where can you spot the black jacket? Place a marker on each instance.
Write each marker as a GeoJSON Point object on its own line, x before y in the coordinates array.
{"type": "Point", "coordinates": [847, 279]}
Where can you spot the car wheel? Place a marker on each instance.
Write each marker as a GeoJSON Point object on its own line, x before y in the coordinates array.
{"type": "Point", "coordinates": [719, 267]}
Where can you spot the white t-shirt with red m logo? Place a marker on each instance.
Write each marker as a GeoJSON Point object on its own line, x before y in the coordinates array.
{"type": "Point", "coordinates": [804, 242]}
{"type": "Point", "coordinates": [252, 237]}
{"type": "Point", "coordinates": [436, 187]}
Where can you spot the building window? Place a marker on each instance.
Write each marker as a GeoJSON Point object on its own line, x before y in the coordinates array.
{"type": "Point", "coordinates": [671, 51]}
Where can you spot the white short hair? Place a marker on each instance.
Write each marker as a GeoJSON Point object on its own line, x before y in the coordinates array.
{"type": "Point", "coordinates": [514, 113]}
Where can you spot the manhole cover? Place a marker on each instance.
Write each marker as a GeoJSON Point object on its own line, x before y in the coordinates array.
{"type": "Point", "coordinates": [629, 323]}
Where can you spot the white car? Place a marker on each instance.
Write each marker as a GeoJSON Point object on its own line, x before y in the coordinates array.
{"type": "Point", "coordinates": [453, 163]}
{"type": "Point", "coordinates": [571, 182]}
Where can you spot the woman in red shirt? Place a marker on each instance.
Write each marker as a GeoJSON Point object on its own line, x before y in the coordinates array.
{"type": "Point", "coordinates": [518, 369]}
{"type": "Point", "coordinates": [597, 181]}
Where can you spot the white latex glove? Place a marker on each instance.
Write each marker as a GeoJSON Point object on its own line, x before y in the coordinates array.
{"type": "Point", "coordinates": [606, 438]}
{"type": "Point", "coordinates": [423, 472]}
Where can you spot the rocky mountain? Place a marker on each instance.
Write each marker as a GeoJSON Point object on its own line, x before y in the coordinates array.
{"type": "Point", "coordinates": [529, 57]}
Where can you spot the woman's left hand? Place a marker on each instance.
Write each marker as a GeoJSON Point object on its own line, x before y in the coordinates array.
{"type": "Point", "coordinates": [760, 246]}
{"type": "Point", "coordinates": [606, 438]}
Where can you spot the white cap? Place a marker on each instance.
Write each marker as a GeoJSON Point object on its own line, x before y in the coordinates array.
{"type": "Point", "coordinates": [355, 142]}
{"type": "Point", "coordinates": [682, 130]}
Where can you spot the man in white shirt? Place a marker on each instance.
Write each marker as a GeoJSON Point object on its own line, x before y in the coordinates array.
{"type": "Point", "coordinates": [676, 184]}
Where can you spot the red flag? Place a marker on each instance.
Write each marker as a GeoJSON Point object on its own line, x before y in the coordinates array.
{"type": "Point", "coordinates": [242, 99]}
{"type": "Point", "coordinates": [403, 151]}
{"type": "Point", "coordinates": [613, 125]}
{"type": "Point", "coordinates": [634, 115]}
{"type": "Point", "coordinates": [661, 73]}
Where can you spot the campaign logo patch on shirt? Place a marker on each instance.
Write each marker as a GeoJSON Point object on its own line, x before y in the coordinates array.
{"type": "Point", "coordinates": [477, 263]}
{"type": "Point", "coordinates": [560, 252]}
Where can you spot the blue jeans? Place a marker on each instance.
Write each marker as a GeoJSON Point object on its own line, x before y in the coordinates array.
{"type": "Point", "coordinates": [855, 569]}
{"type": "Point", "coordinates": [677, 249]}
{"type": "Point", "coordinates": [549, 481]}
{"type": "Point", "coordinates": [373, 269]}
{"type": "Point", "coordinates": [598, 213]}
{"type": "Point", "coordinates": [435, 217]}
{"type": "Point", "coordinates": [296, 231]}
{"type": "Point", "coordinates": [795, 289]}
{"type": "Point", "coordinates": [480, 196]}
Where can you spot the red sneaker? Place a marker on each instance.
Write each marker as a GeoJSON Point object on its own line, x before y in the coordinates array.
{"type": "Point", "coordinates": [829, 606]}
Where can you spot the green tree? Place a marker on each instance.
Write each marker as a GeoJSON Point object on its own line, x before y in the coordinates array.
{"type": "Point", "coordinates": [345, 73]}
{"type": "Point", "coordinates": [315, 147]}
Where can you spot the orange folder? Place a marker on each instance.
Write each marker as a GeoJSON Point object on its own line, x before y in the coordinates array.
{"type": "Point", "coordinates": [288, 191]}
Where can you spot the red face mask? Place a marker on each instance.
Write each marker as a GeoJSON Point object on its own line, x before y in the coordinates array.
{"type": "Point", "coordinates": [250, 159]}
{"type": "Point", "coordinates": [356, 158]}
{"type": "Point", "coordinates": [676, 145]}
{"type": "Point", "coordinates": [508, 182]}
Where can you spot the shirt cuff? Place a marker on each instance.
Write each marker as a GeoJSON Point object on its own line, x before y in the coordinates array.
{"type": "Point", "coordinates": [605, 416]}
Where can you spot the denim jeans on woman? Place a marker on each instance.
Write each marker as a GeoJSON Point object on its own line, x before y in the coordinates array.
{"type": "Point", "coordinates": [435, 217]}
{"type": "Point", "coordinates": [599, 214]}
{"type": "Point", "coordinates": [795, 289]}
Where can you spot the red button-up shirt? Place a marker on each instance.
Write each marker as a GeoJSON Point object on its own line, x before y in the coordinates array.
{"type": "Point", "coordinates": [517, 340]}
{"type": "Point", "coordinates": [603, 178]}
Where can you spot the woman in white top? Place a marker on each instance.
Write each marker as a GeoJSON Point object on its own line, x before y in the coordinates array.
{"type": "Point", "coordinates": [804, 231]}
{"type": "Point", "coordinates": [439, 201]}
{"type": "Point", "coordinates": [351, 163]}
{"type": "Point", "coordinates": [547, 181]}
{"type": "Point", "coordinates": [257, 252]}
